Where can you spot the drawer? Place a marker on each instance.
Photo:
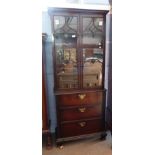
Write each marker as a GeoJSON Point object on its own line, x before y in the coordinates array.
{"type": "Point", "coordinates": [81, 112]}
{"type": "Point", "coordinates": [80, 99]}
{"type": "Point", "coordinates": [81, 127]}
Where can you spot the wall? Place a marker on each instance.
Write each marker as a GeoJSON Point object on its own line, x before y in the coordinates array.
{"type": "Point", "coordinates": [46, 28]}
{"type": "Point", "coordinates": [109, 72]}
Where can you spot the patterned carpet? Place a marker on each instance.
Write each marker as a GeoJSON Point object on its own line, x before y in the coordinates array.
{"type": "Point", "coordinates": [93, 146]}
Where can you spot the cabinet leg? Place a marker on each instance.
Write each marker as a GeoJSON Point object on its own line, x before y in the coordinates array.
{"type": "Point", "coordinates": [103, 136]}
{"type": "Point", "coordinates": [60, 145]}
{"type": "Point", "coordinates": [48, 140]}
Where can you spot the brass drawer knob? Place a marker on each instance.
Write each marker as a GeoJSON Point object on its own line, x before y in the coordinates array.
{"type": "Point", "coordinates": [82, 124]}
{"type": "Point", "coordinates": [82, 109]}
{"type": "Point", "coordinates": [82, 96]}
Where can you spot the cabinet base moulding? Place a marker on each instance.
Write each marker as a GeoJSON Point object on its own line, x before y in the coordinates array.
{"type": "Point", "coordinates": [99, 135]}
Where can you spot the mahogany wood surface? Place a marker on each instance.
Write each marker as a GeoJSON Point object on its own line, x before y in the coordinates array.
{"type": "Point", "coordinates": [74, 99]}
{"type": "Point", "coordinates": [74, 129]}
{"type": "Point", "coordinates": [80, 112]}
{"type": "Point", "coordinates": [44, 101]}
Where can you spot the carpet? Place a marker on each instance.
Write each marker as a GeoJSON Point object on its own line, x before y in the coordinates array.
{"type": "Point", "coordinates": [91, 146]}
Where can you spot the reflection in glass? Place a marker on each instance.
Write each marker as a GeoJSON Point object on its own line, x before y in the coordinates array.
{"type": "Point", "coordinates": [65, 30]}
{"type": "Point", "coordinates": [66, 68]}
{"type": "Point", "coordinates": [65, 37]}
{"type": "Point", "coordinates": [92, 67]}
{"type": "Point", "coordinates": [92, 31]}
{"type": "Point", "coordinates": [65, 24]}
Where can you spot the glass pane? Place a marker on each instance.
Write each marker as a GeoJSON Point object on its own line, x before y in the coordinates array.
{"type": "Point", "coordinates": [65, 24]}
{"type": "Point", "coordinates": [65, 30]}
{"type": "Point", "coordinates": [92, 31]}
{"type": "Point", "coordinates": [66, 65]}
{"type": "Point", "coordinates": [65, 38]}
{"type": "Point", "coordinates": [92, 67]}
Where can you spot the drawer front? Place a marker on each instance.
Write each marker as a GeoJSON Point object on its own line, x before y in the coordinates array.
{"type": "Point", "coordinates": [80, 99]}
{"type": "Point", "coordinates": [80, 112]}
{"type": "Point", "coordinates": [81, 128]}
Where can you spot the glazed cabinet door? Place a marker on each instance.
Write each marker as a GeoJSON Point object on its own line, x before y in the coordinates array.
{"type": "Point", "coordinates": [92, 30]}
{"type": "Point", "coordinates": [92, 43]}
{"type": "Point", "coordinates": [66, 54]}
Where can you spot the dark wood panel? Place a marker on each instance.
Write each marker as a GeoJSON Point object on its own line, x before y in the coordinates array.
{"type": "Point", "coordinates": [80, 112]}
{"type": "Point", "coordinates": [90, 46]}
{"type": "Point", "coordinates": [93, 98]}
{"type": "Point", "coordinates": [81, 128]}
{"type": "Point", "coordinates": [80, 99]}
{"type": "Point", "coordinates": [70, 11]}
{"type": "Point", "coordinates": [75, 91]}
{"type": "Point", "coordinates": [44, 101]}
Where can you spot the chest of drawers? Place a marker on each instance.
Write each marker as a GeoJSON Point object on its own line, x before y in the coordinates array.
{"type": "Point", "coordinates": [80, 115]}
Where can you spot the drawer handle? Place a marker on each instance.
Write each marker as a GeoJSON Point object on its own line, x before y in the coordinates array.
{"type": "Point", "coordinates": [82, 109]}
{"type": "Point", "coordinates": [82, 96]}
{"type": "Point", "coordinates": [82, 124]}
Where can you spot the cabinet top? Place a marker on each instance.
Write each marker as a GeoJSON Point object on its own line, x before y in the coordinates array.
{"type": "Point", "coordinates": [52, 10]}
